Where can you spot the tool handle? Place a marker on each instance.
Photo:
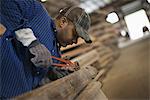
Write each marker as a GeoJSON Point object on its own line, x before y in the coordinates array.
{"type": "Point", "coordinates": [62, 60]}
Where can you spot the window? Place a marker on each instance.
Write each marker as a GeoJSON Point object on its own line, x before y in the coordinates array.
{"type": "Point", "coordinates": [135, 22]}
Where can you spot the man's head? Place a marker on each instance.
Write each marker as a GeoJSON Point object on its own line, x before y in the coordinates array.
{"type": "Point", "coordinates": [72, 23]}
{"type": "Point", "coordinates": [2, 30]}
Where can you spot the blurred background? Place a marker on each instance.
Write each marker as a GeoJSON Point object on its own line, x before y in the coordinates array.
{"type": "Point", "coordinates": [121, 47]}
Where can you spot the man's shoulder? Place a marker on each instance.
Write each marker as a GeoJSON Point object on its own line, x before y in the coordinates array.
{"type": "Point", "coordinates": [20, 0]}
{"type": "Point", "coordinates": [19, 3]}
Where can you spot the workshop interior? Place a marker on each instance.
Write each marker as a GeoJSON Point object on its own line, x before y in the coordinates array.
{"type": "Point", "coordinates": [109, 60]}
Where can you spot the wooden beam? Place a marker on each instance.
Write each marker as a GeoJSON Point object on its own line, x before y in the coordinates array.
{"type": "Point", "coordinates": [87, 58]}
{"type": "Point", "coordinates": [92, 92]}
{"type": "Point", "coordinates": [100, 73]}
{"type": "Point", "coordinates": [103, 12]}
{"type": "Point", "coordinates": [63, 89]}
{"type": "Point", "coordinates": [100, 26]}
{"type": "Point", "coordinates": [79, 51]}
{"type": "Point", "coordinates": [74, 2]}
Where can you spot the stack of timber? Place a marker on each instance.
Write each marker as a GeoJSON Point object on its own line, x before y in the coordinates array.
{"type": "Point", "coordinates": [95, 61]}
{"type": "Point", "coordinates": [66, 88]}
{"type": "Point", "coordinates": [85, 84]}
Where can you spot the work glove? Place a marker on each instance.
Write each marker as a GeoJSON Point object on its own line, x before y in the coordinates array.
{"type": "Point", "coordinates": [55, 73]}
{"type": "Point", "coordinates": [72, 68]}
{"type": "Point", "coordinates": [42, 56]}
{"type": "Point", "coordinates": [66, 64]}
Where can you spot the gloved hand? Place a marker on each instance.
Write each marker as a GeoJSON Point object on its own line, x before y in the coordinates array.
{"type": "Point", "coordinates": [73, 67]}
{"type": "Point", "coordinates": [42, 55]}
{"type": "Point", "coordinates": [55, 73]}
{"type": "Point", "coordinates": [66, 64]}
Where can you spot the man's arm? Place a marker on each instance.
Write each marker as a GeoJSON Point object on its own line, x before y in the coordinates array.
{"type": "Point", "coordinates": [14, 14]}
{"type": "Point", "coordinates": [42, 55]}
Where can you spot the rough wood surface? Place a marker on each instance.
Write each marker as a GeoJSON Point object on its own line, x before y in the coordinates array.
{"type": "Point", "coordinates": [63, 89]}
{"type": "Point", "coordinates": [79, 51]}
{"type": "Point", "coordinates": [87, 58]}
{"type": "Point", "coordinates": [92, 92]}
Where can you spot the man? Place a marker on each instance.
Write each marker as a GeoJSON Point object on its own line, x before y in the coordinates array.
{"type": "Point", "coordinates": [31, 40]}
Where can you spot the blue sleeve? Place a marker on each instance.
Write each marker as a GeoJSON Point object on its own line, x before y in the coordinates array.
{"type": "Point", "coordinates": [15, 12]}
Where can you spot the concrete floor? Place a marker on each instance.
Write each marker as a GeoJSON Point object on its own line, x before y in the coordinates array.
{"type": "Point", "coordinates": [129, 77]}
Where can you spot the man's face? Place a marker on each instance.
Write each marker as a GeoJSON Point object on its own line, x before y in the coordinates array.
{"type": "Point", "coordinates": [2, 30]}
{"type": "Point", "coordinates": [66, 34]}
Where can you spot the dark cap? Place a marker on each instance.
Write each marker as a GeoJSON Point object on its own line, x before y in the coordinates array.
{"type": "Point", "coordinates": [80, 19]}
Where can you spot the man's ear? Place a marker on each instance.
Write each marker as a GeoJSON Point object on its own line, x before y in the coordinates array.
{"type": "Point", "coordinates": [2, 29]}
{"type": "Point", "coordinates": [63, 22]}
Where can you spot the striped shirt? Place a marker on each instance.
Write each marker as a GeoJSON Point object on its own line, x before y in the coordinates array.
{"type": "Point", "coordinates": [17, 73]}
